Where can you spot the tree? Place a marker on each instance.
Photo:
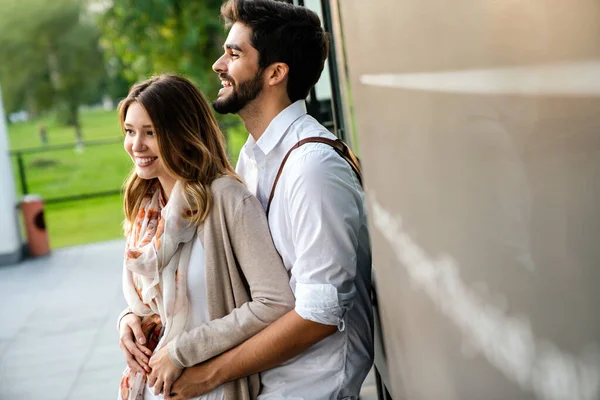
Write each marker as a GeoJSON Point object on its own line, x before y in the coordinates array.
{"type": "Point", "coordinates": [50, 57]}
{"type": "Point", "coordinates": [24, 72]}
{"type": "Point", "coordinates": [79, 71]}
{"type": "Point", "coordinates": [158, 36]}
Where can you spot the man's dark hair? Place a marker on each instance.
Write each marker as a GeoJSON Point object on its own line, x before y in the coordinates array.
{"type": "Point", "coordinates": [284, 33]}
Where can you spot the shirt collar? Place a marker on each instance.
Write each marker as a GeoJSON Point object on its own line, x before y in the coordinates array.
{"type": "Point", "coordinates": [249, 146]}
{"type": "Point", "coordinates": [279, 126]}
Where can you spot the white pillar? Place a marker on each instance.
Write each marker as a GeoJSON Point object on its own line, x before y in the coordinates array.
{"type": "Point", "coordinates": [10, 239]}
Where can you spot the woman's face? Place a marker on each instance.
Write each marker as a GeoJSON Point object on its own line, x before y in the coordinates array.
{"type": "Point", "coordinates": [142, 146]}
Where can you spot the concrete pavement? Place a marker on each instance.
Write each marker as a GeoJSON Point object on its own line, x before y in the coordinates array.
{"type": "Point", "coordinates": [58, 338]}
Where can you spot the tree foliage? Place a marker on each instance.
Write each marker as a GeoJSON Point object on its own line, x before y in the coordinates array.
{"type": "Point", "coordinates": [158, 36]}
{"type": "Point", "coordinates": [50, 56]}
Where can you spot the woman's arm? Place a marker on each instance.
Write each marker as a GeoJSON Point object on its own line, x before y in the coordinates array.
{"type": "Point", "coordinates": [268, 282]}
{"type": "Point", "coordinates": [132, 340]}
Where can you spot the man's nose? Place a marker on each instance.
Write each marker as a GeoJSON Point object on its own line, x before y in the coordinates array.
{"type": "Point", "coordinates": [219, 66]}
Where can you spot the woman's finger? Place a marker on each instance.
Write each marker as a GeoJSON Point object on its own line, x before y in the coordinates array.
{"type": "Point", "coordinates": [132, 363]}
{"type": "Point", "coordinates": [144, 365]}
{"type": "Point", "coordinates": [136, 326]}
{"type": "Point", "coordinates": [132, 347]}
{"type": "Point", "coordinates": [144, 349]}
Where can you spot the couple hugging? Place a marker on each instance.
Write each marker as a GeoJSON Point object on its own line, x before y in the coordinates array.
{"type": "Point", "coordinates": [253, 282]}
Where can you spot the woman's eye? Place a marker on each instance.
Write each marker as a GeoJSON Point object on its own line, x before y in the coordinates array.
{"type": "Point", "coordinates": [150, 133]}
{"type": "Point", "coordinates": [129, 132]}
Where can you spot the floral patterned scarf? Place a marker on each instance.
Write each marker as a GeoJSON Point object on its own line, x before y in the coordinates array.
{"type": "Point", "coordinates": [157, 255]}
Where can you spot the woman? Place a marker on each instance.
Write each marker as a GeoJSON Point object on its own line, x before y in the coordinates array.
{"type": "Point", "coordinates": [199, 254]}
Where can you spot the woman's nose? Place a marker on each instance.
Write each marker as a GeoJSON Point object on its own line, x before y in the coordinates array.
{"type": "Point", "coordinates": [138, 143]}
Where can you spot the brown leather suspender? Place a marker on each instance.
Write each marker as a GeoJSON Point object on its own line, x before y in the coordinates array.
{"type": "Point", "coordinates": [338, 145]}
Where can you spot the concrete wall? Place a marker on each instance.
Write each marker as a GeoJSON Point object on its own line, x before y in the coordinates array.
{"type": "Point", "coordinates": [10, 241]}
{"type": "Point", "coordinates": [479, 133]}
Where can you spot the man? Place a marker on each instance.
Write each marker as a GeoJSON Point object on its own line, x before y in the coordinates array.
{"type": "Point", "coordinates": [323, 349]}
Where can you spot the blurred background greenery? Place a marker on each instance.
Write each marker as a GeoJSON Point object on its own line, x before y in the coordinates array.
{"type": "Point", "coordinates": [64, 65]}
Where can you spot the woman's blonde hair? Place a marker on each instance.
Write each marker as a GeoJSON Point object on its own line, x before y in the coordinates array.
{"type": "Point", "coordinates": [191, 144]}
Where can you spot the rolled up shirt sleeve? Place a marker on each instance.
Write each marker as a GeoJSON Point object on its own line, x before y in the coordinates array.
{"type": "Point", "coordinates": [320, 303]}
{"type": "Point", "coordinates": [324, 213]}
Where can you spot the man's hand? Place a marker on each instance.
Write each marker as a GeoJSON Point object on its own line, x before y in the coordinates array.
{"type": "Point", "coordinates": [132, 343]}
{"type": "Point", "coordinates": [194, 382]}
{"type": "Point", "coordinates": [164, 372]}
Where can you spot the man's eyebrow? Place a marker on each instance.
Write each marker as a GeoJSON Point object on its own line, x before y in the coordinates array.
{"type": "Point", "coordinates": [233, 46]}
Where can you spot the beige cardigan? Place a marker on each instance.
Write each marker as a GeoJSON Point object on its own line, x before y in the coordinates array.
{"type": "Point", "coordinates": [247, 284]}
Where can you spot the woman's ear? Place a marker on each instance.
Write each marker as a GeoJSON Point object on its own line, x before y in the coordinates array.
{"type": "Point", "coordinates": [277, 73]}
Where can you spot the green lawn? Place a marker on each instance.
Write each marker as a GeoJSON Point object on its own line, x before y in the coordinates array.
{"type": "Point", "coordinates": [96, 124]}
{"type": "Point", "coordinates": [68, 172]}
{"type": "Point", "coordinates": [84, 221]}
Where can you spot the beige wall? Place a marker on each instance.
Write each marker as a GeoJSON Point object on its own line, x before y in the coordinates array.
{"type": "Point", "coordinates": [479, 132]}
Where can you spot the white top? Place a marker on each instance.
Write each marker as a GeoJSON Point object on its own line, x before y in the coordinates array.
{"type": "Point", "coordinates": [198, 308]}
{"type": "Point", "coordinates": [319, 226]}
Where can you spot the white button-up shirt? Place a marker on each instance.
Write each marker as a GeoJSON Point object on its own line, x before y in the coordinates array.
{"type": "Point", "coordinates": [319, 226]}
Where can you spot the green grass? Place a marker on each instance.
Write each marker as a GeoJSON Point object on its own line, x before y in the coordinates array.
{"type": "Point", "coordinates": [84, 221]}
{"type": "Point", "coordinates": [67, 172]}
{"type": "Point", "coordinates": [96, 124]}
{"type": "Point", "coordinates": [236, 137]}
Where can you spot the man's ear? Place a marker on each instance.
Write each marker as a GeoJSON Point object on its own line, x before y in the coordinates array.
{"type": "Point", "coordinates": [277, 73]}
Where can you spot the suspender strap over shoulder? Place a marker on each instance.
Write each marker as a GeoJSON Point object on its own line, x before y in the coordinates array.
{"type": "Point", "coordinates": [338, 145]}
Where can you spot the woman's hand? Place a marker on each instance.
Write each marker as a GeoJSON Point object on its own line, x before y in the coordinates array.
{"type": "Point", "coordinates": [132, 343]}
{"type": "Point", "coordinates": [164, 372]}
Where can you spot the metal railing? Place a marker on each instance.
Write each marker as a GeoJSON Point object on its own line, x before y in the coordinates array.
{"type": "Point", "coordinates": [22, 170]}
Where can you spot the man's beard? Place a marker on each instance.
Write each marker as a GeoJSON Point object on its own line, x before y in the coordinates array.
{"type": "Point", "coordinates": [241, 94]}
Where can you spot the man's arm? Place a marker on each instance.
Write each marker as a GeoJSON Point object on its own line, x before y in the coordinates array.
{"type": "Point", "coordinates": [284, 339]}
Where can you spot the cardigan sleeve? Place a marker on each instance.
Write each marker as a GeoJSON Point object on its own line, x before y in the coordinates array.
{"type": "Point", "coordinates": [268, 281]}
{"type": "Point", "coordinates": [125, 312]}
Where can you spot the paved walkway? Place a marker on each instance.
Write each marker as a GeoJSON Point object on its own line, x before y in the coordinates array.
{"type": "Point", "coordinates": [58, 338]}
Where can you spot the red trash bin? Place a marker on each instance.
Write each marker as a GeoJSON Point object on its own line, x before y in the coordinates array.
{"type": "Point", "coordinates": [32, 207]}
